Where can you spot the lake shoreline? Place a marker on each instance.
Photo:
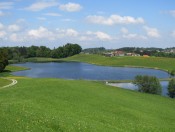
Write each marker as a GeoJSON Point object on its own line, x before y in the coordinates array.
{"type": "Point", "coordinates": [86, 71]}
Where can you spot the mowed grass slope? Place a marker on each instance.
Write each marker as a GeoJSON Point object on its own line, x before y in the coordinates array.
{"type": "Point", "coordinates": [4, 82]}
{"type": "Point", "coordinates": [149, 62]}
{"type": "Point", "coordinates": [72, 106]}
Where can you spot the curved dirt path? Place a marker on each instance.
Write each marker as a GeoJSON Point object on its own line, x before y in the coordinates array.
{"type": "Point", "coordinates": [11, 84]}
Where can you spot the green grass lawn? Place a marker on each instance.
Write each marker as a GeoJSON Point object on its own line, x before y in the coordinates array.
{"type": "Point", "coordinates": [11, 68]}
{"type": "Point", "coordinates": [15, 68]}
{"type": "Point", "coordinates": [149, 62]}
{"type": "Point", "coordinates": [69, 105]}
{"type": "Point", "coordinates": [4, 82]}
{"type": "Point", "coordinates": [77, 105]}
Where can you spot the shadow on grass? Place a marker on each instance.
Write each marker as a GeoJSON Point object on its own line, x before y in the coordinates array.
{"type": "Point", "coordinates": [5, 73]}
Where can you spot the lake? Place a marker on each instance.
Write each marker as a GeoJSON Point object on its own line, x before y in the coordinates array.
{"type": "Point", "coordinates": [131, 86]}
{"type": "Point", "coordinates": [77, 70]}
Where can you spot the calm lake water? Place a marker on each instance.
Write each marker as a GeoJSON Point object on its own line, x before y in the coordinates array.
{"type": "Point", "coordinates": [76, 70]}
{"type": "Point", "coordinates": [131, 86]}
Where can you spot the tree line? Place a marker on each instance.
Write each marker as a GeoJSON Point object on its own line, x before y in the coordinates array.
{"type": "Point", "coordinates": [98, 50]}
{"type": "Point", "coordinates": [19, 53]}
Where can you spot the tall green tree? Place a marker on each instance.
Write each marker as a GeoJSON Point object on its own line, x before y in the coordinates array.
{"type": "Point", "coordinates": [148, 84]}
{"type": "Point", "coordinates": [43, 51]}
{"type": "Point", "coordinates": [3, 59]}
{"type": "Point", "coordinates": [171, 88]}
{"type": "Point", "coordinates": [31, 51]}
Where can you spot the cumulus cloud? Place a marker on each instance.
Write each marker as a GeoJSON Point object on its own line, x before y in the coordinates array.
{"type": "Point", "coordinates": [71, 32]}
{"type": "Point", "coordinates": [13, 37]}
{"type": "Point", "coordinates": [124, 30]}
{"type": "Point", "coordinates": [6, 5]}
{"type": "Point", "coordinates": [173, 34]}
{"type": "Point", "coordinates": [1, 26]}
{"type": "Point", "coordinates": [41, 18]}
{"type": "Point", "coordinates": [14, 28]}
{"type": "Point", "coordinates": [2, 34]}
{"type": "Point", "coordinates": [38, 6]}
{"type": "Point", "coordinates": [133, 36]}
{"type": "Point", "coordinates": [152, 32]}
{"type": "Point", "coordinates": [114, 19]}
{"type": "Point", "coordinates": [100, 35]}
{"type": "Point", "coordinates": [172, 12]}
{"type": "Point", "coordinates": [70, 7]}
{"type": "Point", "coordinates": [103, 36]}
{"type": "Point", "coordinates": [85, 38]}
{"type": "Point", "coordinates": [44, 33]}
{"type": "Point", "coordinates": [41, 33]}
{"type": "Point", "coordinates": [67, 33]}
{"type": "Point", "coordinates": [127, 35]}
{"type": "Point", "coordinates": [52, 14]}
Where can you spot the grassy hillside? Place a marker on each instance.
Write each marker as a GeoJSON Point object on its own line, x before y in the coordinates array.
{"type": "Point", "coordinates": [4, 82]}
{"type": "Point", "coordinates": [68, 105]}
{"type": "Point", "coordinates": [77, 105]}
{"type": "Point", "coordinates": [150, 62]}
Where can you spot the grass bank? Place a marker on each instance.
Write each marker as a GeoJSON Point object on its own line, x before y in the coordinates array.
{"type": "Point", "coordinates": [35, 59]}
{"type": "Point", "coordinates": [4, 82]}
{"type": "Point", "coordinates": [11, 68]}
{"type": "Point", "coordinates": [69, 105]}
{"type": "Point", "coordinates": [166, 64]}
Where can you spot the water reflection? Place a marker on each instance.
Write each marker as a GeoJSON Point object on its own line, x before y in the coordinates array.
{"type": "Point", "coordinates": [75, 70]}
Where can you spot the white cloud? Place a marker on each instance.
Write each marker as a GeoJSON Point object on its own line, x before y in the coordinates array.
{"type": "Point", "coordinates": [6, 5]}
{"type": "Point", "coordinates": [173, 34]}
{"type": "Point", "coordinates": [85, 38]}
{"type": "Point", "coordinates": [14, 28]}
{"type": "Point", "coordinates": [1, 26]}
{"type": "Point", "coordinates": [103, 36]}
{"type": "Point", "coordinates": [2, 34]}
{"type": "Point", "coordinates": [100, 35]}
{"type": "Point", "coordinates": [68, 20]}
{"type": "Point", "coordinates": [71, 32]}
{"type": "Point", "coordinates": [41, 5]}
{"type": "Point", "coordinates": [13, 37]}
{"type": "Point", "coordinates": [114, 19]}
{"type": "Point", "coordinates": [41, 33]}
{"type": "Point", "coordinates": [52, 14]}
{"type": "Point", "coordinates": [70, 7]}
{"type": "Point", "coordinates": [152, 32]}
{"type": "Point", "coordinates": [172, 12]}
{"type": "Point", "coordinates": [21, 21]}
{"type": "Point", "coordinates": [67, 32]}
{"type": "Point", "coordinates": [41, 18]}
{"type": "Point", "coordinates": [124, 30]}
{"type": "Point", "coordinates": [133, 36]}
{"type": "Point", "coordinates": [16, 37]}
{"type": "Point", "coordinates": [127, 35]}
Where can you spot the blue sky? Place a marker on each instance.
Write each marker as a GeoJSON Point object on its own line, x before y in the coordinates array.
{"type": "Point", "coordinates": [91, 23]}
